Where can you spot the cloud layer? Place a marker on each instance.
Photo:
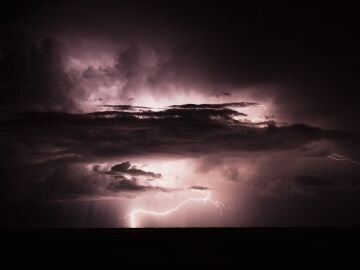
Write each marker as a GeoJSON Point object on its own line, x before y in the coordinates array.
{"type": "Point", "coordinates": [53, 148]}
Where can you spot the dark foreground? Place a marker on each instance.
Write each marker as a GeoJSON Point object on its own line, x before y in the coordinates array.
{"type": "Point", "coordinates": [178, 246]}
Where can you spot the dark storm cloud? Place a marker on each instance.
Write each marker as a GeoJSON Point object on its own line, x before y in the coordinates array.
{"type": "Point", "coordinates": [312, 181]}
{"type": "Point", "coordinates": [302, 58]}
{"type": "Point", "coordinates": [32, 77]}
{"type": "Point", "coordinates": [287, 173]}
{"type": "Point", "coordinates": [202, 113]}
{"type": "Point", "coordinates": [181, 131]}
{"type": "Point", "coordinates": [122, 167]}
{"type": "Point", "coordinates": [131, 185]}
{"type": "Point", "coordinates": [198, 111]}
{"type": "Point", "coordinates": [133, 171]}
{"type": "Point", "coordinates": [64, 180]}
{"type": "Point", "coordinates": [124, 107]}
{"type": "Point", "coordinates": [306, 52]}
{"type": "Point", "coordinates": [47, 151]}
{"type": "Point", "coordinates": [336, 182]}
{"type": "Point", "coordinates": [215, 106]}
{"type": "Point", "coordinates": [125, 168]}
{"type": "Point", "coordinates": [125, 185]}
{"type": "Point", "coordinates": [199, 187]}
{"type": "Point", "coordinates": [50, 182]}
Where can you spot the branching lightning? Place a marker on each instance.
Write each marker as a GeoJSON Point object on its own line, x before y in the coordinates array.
{"type": "Point", "coordinates": [342, 159]}
{"type": "Point", "coordinates": [206, 199]}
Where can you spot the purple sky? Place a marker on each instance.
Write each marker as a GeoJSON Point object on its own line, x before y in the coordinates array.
{"type": "Point", "coordinates": [178, 115]}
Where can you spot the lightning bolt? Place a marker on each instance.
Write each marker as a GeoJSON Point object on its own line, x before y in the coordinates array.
{"type": "Point", "coordinates": [342, 159]}
{"type": "Point", "coordinates": [207, 199]}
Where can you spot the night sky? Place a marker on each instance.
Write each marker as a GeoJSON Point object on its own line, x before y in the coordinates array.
{"type": "Point", "coordinates": [178, 114]}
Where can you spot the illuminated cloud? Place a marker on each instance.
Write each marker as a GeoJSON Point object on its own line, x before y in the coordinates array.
{"type": "Point", "coordinates": [126, 168]}
{"type": "Point", "coordinates": [147, 105]}
{"type": "Point", "coordinates": [52, 145]}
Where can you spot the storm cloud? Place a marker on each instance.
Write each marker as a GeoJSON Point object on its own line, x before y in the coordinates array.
{"type": "Point", "coordinates": [169, 131]}
{"type": "Point", "coordinates": [278, 52]}
{"type": "Point", "coordinates": [133, 171]}
{"type": "Point", "coordinates": [49, 145]}
{"type": "Point", "coordinates": [33, 77]}
{"type": "Point", "coordinates": [246, 98]}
